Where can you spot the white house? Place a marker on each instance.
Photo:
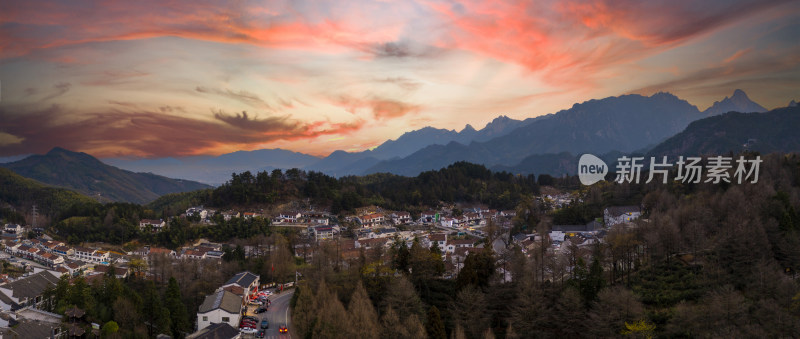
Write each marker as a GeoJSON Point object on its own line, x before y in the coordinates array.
{"type": "Point", "coordinates": [220, 307]}
{"type": "Point", "coordinates": [290, 216]}
{"type": "Point", "coordinates": [155, 225]}
{"type": "Point", "coordinates": [14, 229]}
{"type": "Point", "coordinates": [399, 218]}
{"type": "Point", "coordinates": [246, 280]}
{"type": "Point", "coordinates": [26, 291]}
{"type": "Point", "coordinates": [453, 244]}
{"type": "Point", "coordinates": [371, 220]}
{"type": "Point", "coordinates": [621, 214]}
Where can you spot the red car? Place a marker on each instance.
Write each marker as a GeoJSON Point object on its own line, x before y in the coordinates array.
{"type": "Point", "coordinates": [283, 329]}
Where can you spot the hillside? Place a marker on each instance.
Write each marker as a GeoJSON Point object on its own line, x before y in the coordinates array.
{"type": "Point", "coordinates": [22, 193]}
{"type": "Point", "coordinates": [774, 131]}
{"type": "Point", "coordinates": [86, 174]}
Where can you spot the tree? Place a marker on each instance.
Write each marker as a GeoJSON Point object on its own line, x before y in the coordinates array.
{"type": "Point", "coordinates": [478, 269]}
{"type": "Point", "coordinates": [614, 307]}
{"type": "Point", "coordinates": [424, 263]}
{"type": "Point", "coordinates": [177, 310]}
{"type": "Point", "coordinates": [403, 298]}
{"type": "Point", "coordinates": [363, 320]}
{"type": "Point", "coordinates": [391, 326]}
{"type": "Point", "coordinates": [469, 311]}
{"type": "Point", "coordinates": [304, 311]}
{"type": "Point", "coordinates": [413, 328]}
{"type": "Point", "coordinates": [125, 313]}
{"type": "Point", "coordinates": [331, 316]}
{"type": "Point", "coordinates": [639, 329]}
{"type": "Point", "coordinates": [434, 325]}
{"type": "Point", "coordinates": [110, 330]}
{"type": "Point", "coordinates": [401, 256]}
{"type": "Point", "coordinates": [158, 316]}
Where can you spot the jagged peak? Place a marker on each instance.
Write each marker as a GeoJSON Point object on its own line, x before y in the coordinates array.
{"type": "Point", "coordinates": [738, 93]}
{"type": "Point", "coordinates": [468, 128]}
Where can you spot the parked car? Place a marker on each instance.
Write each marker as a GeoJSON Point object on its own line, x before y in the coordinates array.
{"type": "Point", "coordinates": [248, 330]}
{"type": "Point", "coordinates": [261, 309]}
{"type": "Point", "coordinates": [261, 334]}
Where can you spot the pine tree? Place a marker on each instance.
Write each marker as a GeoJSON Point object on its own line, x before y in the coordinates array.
{"type": "Point", "coordinates": [177, 310]}
{"type": "Point", "coordinates": [304, 311]}
{"type": "Point", "coordinates": [363, 322]}
{"type": "Point", "coordinates": [434, 324]}
{"type": "Point", "coordinates": [413, 328]}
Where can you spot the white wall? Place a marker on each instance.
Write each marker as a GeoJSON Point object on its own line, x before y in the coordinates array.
{"type": "Point", "coordinates": [216, 316]}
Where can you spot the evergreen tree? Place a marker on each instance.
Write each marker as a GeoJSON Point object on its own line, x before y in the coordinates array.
{"type": "Point", "coordinates": [363, 320]}
{"type": "Point", "coordinates": [177, 310]}
{"type": "Point", "coordinates": [434, 324]}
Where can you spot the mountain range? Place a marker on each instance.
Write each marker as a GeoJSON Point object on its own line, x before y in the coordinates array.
{"type": "Point", "coordinates": [546, 144]}
{"type": "Point", "coordinates": [84, 173]}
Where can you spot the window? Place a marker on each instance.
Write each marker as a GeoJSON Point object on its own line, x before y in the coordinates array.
{"type": "Point", "coordinates": [226, 319]}
{"type": "Point", "coordinates": [205, 318]}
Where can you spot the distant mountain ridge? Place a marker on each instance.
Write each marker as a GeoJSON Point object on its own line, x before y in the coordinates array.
{"type": "Point", "coordinates": [341, 163]}
{"type": "Point", "coordinates": [86, 174]}
{"type": "Point", "coordinates": [217, 169]}
{"type": "Point", "coordinates": [738, 102]}
{"type": "Point", "coordinates": [773, 131]}
{"type": "Point", "coordinates": [625, 123]}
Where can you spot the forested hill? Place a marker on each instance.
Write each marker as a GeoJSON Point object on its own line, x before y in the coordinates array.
{"type": "Point", "coordinates": [459, 182]}
{"type": "Point", "coordinates": [84, 173]}
{"type": "Point", "coordinates": [22, 193]}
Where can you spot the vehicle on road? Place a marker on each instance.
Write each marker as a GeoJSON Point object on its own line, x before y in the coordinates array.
{"type": "Point", "coordinates": [264, 323]}
{"type": "Point", "coordinates": [248, 330]}
{"type": "Point", "coordinates": [283, 329]}
{"type": "Point", "coordinates": [261, 334]}
{"type": "Point", "coordinates": [261, 309]}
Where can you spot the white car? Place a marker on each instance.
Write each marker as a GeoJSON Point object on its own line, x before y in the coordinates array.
{"type": "Point", "coordinates": [248, 330]}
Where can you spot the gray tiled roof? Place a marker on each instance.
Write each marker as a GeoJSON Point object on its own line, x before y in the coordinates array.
{"type": "Point", "coordinates": [215, 331]}
{"type": "Point", "coordinates": [243, 279]}
{"type": "Point", "coordinates": [31, 286]}
{"type": "Point", "coordinates": [223, 300]}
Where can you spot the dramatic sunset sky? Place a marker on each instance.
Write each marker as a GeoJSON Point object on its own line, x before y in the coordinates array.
{"type": "Point", "coordinates": [166, 78]}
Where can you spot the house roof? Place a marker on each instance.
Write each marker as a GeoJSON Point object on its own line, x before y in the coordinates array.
{"type": "Point", "coordinates": [244, 279]}
{"type": "Point", "coordinates": [223, 300]}
{"type": "Point", "coordinates": [437, 237]}
{"type": "Point", "coordinates": [238, 290]}
{"type": "Point", "coordinates": [32, 285]}
{"type": "Point", "coordinates": [569, 228]}
{"type": "Point", "coordinates": [159, 250]}
{"type": "Point", "coordinates": [151, 221]}
{"type": "Point", "coordinates": [616, 211]}
{"type": "Point", "coordinates": [30, 329]}
{"type": "Point", "coordinates": [323, 229]}
{"type": "Point", "coordinates": [460, 242]}
{"type": "Point", "coordinates": [215, 331]}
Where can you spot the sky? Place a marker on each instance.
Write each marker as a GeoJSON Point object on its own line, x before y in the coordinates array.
{"type": "Point", "coordinates": [167, 78]}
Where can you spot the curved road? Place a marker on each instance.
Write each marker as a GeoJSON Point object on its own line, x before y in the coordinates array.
{"type": "Point", "coordinates": [278, 314]}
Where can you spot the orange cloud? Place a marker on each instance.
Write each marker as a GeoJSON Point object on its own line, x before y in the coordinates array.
{"type": "Point", "coordinates": [570, 41]}
{"type": "Point", "coordinates": [150, 134]}
{"type": "Point", "coordinates": [381, 108]}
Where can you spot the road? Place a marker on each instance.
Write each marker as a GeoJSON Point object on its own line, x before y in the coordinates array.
{"type": "Point", "coordinates": [278, 314]}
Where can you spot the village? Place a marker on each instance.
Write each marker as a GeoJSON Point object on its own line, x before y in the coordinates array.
{"type": "Point", "coordinates": [35, 261]}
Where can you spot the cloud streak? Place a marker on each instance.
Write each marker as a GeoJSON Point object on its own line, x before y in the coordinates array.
{"type": "Point", "coordinates": [150, 134]}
